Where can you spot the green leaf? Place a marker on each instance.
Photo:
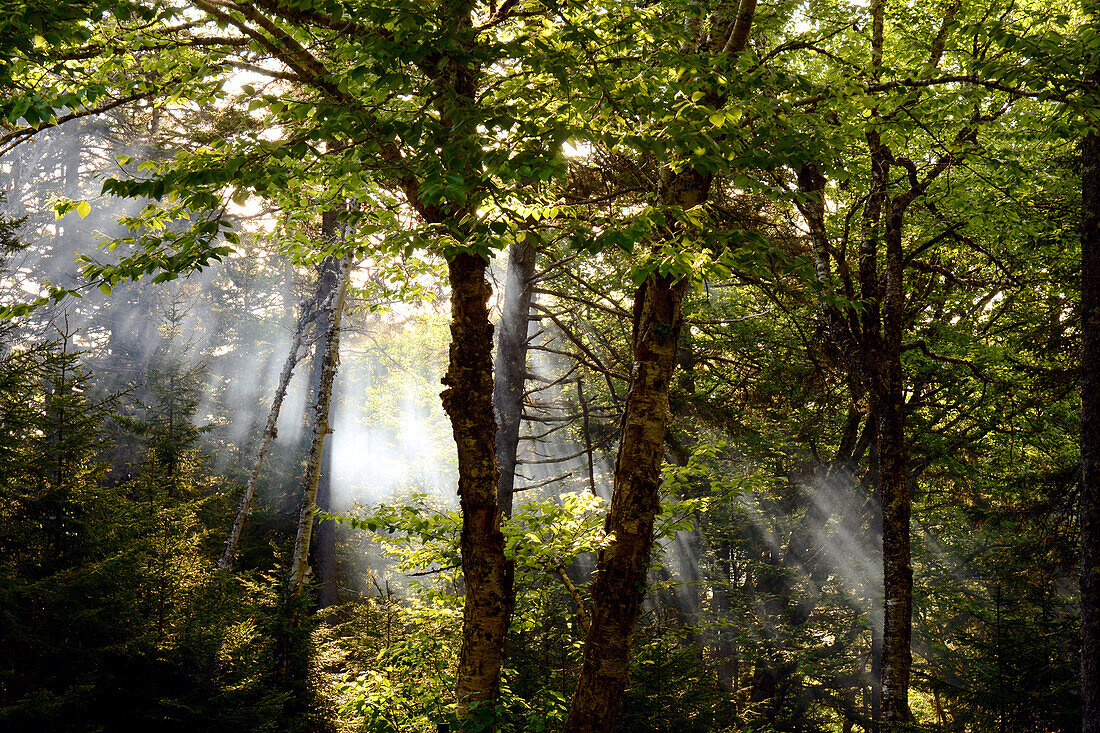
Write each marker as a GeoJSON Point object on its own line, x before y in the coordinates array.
{"type": "Point", "coordinates": [84, 208]}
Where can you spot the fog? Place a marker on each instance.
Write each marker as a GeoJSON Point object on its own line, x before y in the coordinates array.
{"type": "Point", "coordinates": [232, 324]}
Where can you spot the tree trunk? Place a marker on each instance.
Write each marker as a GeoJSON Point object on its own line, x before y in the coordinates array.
{"type": "Point", "coordinates": [1090, 430]}
{"type": "Point", "coordinates": [468, 400]}
{"type": "Point", "coordinates": [622, 564]}
{"type": "Point", "coordinates": [331, 347]}
{"type": "Point", "coordinates": [726, 655]}
{"type": "Point", "coordinates": [894, 483]}
{"type": "Point", "coordinates": [658, 316]}
{"type": "Point", "coordinates": [587, 434]}
{"type": "Point", "coordinates": [876, 678]}
{"type": "Point", "coordinates": [324, 549]}
{"type": "Point", "coordinates": [324, 546]}
{"type": "Point", "coordinates": [270, 429]}
{"type": "Point", "coordinates": [511, 366]}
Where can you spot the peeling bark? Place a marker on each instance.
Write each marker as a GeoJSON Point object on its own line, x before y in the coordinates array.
{"type": "Point", "coordinates": [468, 401]}
{"type": "Point", "coordinates": [621, 566]}
{"type": "Point", "coordinates": [468, 397]}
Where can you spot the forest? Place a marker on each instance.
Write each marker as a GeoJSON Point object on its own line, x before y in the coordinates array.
{"type": "Point", "coordinates": [407, 366]}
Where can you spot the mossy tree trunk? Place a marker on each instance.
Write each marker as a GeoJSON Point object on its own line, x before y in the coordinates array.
{"type": "Point", "coordinates": [468, 400]}
{"type": "Point", "coordinates": [622, 564]}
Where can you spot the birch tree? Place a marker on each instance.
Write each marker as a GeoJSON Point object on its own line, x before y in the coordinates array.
{"type": "Point", "coordinates": [657, 319]}
{"type": "Point", "coordinates": [330, 346]}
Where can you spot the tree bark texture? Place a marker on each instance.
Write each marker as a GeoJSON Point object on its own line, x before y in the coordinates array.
{"type": "Point", "coordinates": [881, 332]}
{"type": "Point", "coordinates": [329, 363]}
{"type": "Point", "coordinates": [621, 566]}
{"type": "Point", "coordinates": [324, 549]}
{"type": "Point", "coordinates": [869, 342]}
{"type": "Point", "coordinates": [468, 401]}
{"type": "Point", "coordinates": [1090, 431]}
{"type": "Point", "coordinates": [468, 397]}
{"type": "Point", "coordinates": [324, 546]}
{"type": "Point", "coordinates": [453, 69]}
{"type": "Point", "coordinates": [894, 488]}
{"type": "Point", "coordinates": [510, 375]}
